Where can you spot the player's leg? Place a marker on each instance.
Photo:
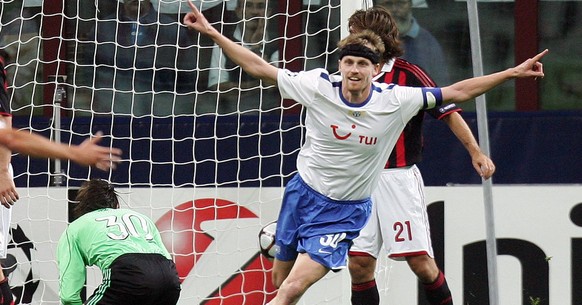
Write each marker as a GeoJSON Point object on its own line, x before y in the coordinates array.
{"type": "Point", "coordinates": [362, 261]}
{"type": "Point", "coordinates": [424, 267]}
{"type": "Point", "coordinates": [316, 232]}
{"type": "Point", "coordinates": [434, 282]}
{"type": "Point", "coordinates": [406, 230]}
{"type": "Point", "coordinates": [304, 273]}
{"type": "Point", "coordinates": [364, 288]}
{"type": "Point", "coordinates": [281, 270]}
{"type": "Point", "coordinates": [286, 233]}
{"type": "Point", "coordinates": [411, 235]}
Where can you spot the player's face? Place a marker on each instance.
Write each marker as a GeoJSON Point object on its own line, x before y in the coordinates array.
{"type": "Point", "coordinates": [357, 73]}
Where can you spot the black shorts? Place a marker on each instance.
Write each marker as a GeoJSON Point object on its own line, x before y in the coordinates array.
{"type": "Point", "coordinates": [139, 279]}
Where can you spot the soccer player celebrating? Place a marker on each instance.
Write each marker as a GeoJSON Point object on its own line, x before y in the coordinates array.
{"type": "Point", "coordinates": [352, 124]}
{"type": "Point", "coordinates": [399, 197]}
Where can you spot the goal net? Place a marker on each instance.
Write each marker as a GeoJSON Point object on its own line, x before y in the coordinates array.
{"type": "Point", "coordinates": [207, 149]}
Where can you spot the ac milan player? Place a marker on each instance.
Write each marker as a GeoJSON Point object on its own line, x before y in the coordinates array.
{"type": "Point", "coordinates": [399, 220]}
{"type": "Point", "coordinates": [7, 188]}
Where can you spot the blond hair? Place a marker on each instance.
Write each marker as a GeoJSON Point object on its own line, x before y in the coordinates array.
{"type": "Point", "coordinates": [363, 44]}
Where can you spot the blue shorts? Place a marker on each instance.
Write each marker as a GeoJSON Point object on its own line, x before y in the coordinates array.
{"type": "Point", "coordinates": [309, 222]}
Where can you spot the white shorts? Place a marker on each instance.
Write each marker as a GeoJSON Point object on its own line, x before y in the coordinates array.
{"type": "Point", "coordinates": [399, 220]}
{"type": "Point", "coordinates": [5, 218]}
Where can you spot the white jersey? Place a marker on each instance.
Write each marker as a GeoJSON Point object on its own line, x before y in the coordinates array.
{"type": "Point", "coordinates": [347, 144]}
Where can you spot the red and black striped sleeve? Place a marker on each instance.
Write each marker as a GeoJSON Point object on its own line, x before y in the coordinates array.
{"type": "Point", "coordinates": [4, 97]}
{"type": "Point", "coordinates": [408, 149]}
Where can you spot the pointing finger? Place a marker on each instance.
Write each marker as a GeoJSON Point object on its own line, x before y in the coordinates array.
{"type": "Point", "coordinates": [541, 54]}
{"type": "Point", "coordinates": [192, 6]}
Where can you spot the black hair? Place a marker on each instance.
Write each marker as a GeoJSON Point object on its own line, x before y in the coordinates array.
{"type": "Point", "coordinates": [93, 195]}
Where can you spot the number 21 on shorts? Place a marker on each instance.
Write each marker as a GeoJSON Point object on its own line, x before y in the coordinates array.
{"type": "Point", "coordinates": [403, 231]}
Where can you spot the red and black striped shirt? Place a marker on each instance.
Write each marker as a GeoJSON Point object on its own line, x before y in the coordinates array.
{"type": "Point", "coordinates": [4, 98]}
{"type": "Point", "coordinates": [408, 149]}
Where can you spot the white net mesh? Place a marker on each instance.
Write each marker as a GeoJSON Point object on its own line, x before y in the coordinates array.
{"type": "Point", "coordinates": [206, 148]}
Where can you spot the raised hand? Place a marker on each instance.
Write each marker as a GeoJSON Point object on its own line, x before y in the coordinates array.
{"type": "Point", "coordinates": [195, 20]}
{"type": "Point", "coordinates": [532, 67]}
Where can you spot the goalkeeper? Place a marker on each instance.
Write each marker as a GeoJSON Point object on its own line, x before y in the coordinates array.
{"type": "Point", "coordinates": [88, 153]}
{"type": "Point", "coordinates": [125, 245]}
{"type": "Point", "coordinates": [352, 124]}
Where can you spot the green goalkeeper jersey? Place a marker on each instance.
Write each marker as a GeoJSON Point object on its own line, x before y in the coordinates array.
{"type": "Point", "coordinates": [97, 239]}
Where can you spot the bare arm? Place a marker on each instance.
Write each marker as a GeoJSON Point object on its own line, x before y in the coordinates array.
{"type": "Point", "coordinates": [87, 153]}
{"type": "Point", "coordinates": [8, 194]}
{"type": "Point", "coordinates": [482, 164]}
{"type": "Point", "coordinates": [470, 88]}
{"type": "Point", "coordinates": [245, 58]}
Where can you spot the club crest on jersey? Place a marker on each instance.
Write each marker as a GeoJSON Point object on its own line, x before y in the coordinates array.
{"type": "Point", "coordinates": [356, 113]}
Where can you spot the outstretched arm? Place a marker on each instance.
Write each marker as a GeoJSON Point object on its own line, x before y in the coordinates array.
{"type": "Point", "coordinates": [470, 88]}
{"type": "Point", "coordinates": [245, 58]}
{"type": "Point", "coordinates": [482, 164]}
{"type": "Point", "coordinates": [87, 153]}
